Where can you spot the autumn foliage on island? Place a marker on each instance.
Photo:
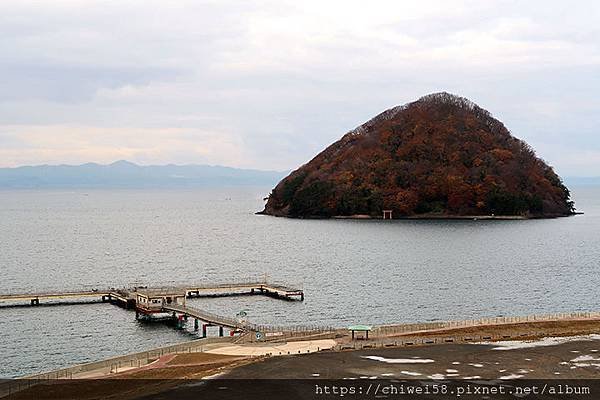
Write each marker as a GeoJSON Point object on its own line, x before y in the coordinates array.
{"type": "Point", "coordinates": [441, 155]}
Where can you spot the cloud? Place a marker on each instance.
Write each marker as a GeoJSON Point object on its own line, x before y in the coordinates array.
{"type": "Point", "coordinates": [56, 144]}
{"type": "Point", "coordinates": [268, 84]}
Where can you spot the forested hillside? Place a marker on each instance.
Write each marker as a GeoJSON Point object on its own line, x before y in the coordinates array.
{"type": "Point", "coordinates": [440, 155]}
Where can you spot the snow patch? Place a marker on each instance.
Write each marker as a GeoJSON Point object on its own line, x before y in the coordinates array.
{"type": "Point", "coordinates": [209, 377]}
{"type": "Point", "coordinates": [584, 361]}
{"type": "Point", "coordinates": [549, 341]}
{"type": "Point", "coordinates": [511, 376]}
{"type": "Point", "coordinates": [410, 373]}
{"type": "Point", "coordinates": [436, 377]}
{"type": "Point", "coordinates": [587, 365]}
{"type": "Point", "coordinates": [585, 358]}
{"type": "Point", "coordinates": [399, 360]}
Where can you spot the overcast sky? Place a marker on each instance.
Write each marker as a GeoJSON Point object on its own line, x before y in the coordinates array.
{"type": "Point", "coordinates": [268, 85]}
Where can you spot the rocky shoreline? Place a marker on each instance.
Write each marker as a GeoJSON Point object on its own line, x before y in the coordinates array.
{"type": "Point", "coordinates": [429, 217]}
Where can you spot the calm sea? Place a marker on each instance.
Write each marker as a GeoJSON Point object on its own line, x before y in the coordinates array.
{"type": "Point", "coordinates": [370, 272]}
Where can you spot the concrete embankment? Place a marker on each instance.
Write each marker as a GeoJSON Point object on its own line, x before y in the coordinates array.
{"type": "Point", "coordinates": [403, 336]}
{"type": "Point", "coordinates": [121, 363]}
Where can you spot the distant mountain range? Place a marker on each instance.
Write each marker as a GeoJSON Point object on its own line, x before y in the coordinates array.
{"type": "Point", "coordinates": [128, 174]}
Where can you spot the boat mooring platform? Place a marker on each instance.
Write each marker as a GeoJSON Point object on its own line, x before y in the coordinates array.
{"type": "Point", "coordinates": [151, 301]}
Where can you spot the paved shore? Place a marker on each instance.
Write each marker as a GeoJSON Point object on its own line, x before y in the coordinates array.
{"type": "Point", "coordinates": [572, 353]}
{"type": "Point", "coordinates": [551, 358]}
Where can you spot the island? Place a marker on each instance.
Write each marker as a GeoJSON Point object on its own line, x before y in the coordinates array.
{"type": "Point", "coordinates": [441, 156]}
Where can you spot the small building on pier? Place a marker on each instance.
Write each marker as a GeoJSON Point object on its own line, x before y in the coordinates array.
{"type": "Point", "coordinates": [153, 300]}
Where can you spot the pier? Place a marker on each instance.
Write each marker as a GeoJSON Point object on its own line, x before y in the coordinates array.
{"type": "Point", "coordinates": [149, 302]}
{"type": "Point", "coordinates": [34, 298]}
{"type": "Point", "coordinates": [122, 295]}
{"type": "Point", "coordinates": [210, 318]}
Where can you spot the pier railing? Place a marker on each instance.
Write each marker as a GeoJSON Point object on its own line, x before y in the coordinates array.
{"type": "Point", "coordinates": [115, 364]}
{"type": "Point", "coordinates": [445, 332]}
{"type": "Point", "coordinates": [86, 290]}
{"type": "Point", "coordinates": [210, 317]}
{"type": "Point", "coordinates": [46, 292]}
{"type": "Point", "coordinates": [104, 287]}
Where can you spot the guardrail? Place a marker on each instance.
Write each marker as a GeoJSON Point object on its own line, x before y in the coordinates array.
{"type": "Point", "coordinates": [415, 327]}
{"type": "Point", "coordinates": [210, 317]}
{"type": "Point", "coordinates": [111, 365]}
{"type": "Point", "coordinates": [144, 357]}
{"type": "Point", "coordinates": [99, 292]}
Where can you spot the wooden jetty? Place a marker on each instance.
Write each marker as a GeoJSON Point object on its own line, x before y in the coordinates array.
{"type": "Point", "coordinates": [151, 301]}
